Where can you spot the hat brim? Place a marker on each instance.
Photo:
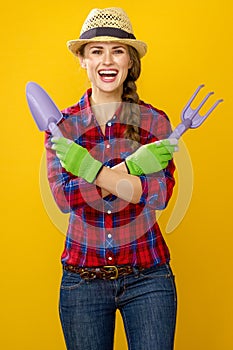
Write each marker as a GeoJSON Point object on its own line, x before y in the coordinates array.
{"type": "Point", "coordinates": [140, 46]}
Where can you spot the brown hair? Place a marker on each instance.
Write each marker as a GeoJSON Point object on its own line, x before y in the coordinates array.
{"type": "Point", "coordinates": [130, 113]}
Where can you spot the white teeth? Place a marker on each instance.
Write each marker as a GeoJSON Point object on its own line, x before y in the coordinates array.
{"type": "Point", "coordinates": [107, 72]}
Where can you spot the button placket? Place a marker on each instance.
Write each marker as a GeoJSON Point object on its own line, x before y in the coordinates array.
{"type": "Point", "coordinates": [109, 239]}
{"type": "Point", "coordinates": [108, 127]}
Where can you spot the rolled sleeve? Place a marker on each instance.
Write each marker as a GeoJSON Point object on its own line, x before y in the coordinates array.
{"type": "Point", "coordinates": [69, 192]}
{"type": "Point", "coordinates": [157, 188]}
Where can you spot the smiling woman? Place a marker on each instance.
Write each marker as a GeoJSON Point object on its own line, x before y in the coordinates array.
{"type": "Point", "coordinates": [111, 173]}
{"type": "Point", "coordinates": [129, 94]}
{"type": "Point", "coordinates": [107, 67]}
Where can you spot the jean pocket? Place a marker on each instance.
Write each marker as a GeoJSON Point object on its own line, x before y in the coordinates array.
{"type": "Point", "coordinates": [158, 271]}
{"type": "Point", "coordinates": [162, 277]}
{"type": "Point", "coordinates": [71, 280]}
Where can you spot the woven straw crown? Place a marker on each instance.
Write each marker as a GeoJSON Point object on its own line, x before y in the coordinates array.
{"type": "Point", "coordinates": [104, 25]}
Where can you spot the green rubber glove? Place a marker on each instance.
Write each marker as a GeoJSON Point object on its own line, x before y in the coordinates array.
{"type": "Point", "coordinates": [152, 157]}
{"type": "Point", "coordinates": [76, 159]}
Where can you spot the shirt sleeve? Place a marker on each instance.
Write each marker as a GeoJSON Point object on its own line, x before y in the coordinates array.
{"type": "Point", "coordinates": [157, 188]}
{"type": "Point", "coordinates": [69, 192]}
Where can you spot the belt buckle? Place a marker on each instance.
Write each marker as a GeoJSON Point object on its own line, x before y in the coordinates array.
{"type": "Point", "coordinates": [114, 268]}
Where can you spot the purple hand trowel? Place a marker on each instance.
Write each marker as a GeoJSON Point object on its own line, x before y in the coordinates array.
{"type": "Point", "coordinates": [43, 109]}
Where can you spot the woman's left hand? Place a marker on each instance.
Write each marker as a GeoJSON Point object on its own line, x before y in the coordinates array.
{"type": "Point", "coordinates": [151, 157]}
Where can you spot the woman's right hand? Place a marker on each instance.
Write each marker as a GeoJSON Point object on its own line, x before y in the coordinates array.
{"type": "Point", "coordinates": [152, 157]}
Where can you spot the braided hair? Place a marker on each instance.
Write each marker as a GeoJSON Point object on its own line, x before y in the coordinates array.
{"type": "Point", "coordinates": [131, 112]}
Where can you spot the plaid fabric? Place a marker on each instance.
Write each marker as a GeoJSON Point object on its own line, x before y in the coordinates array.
{"type": "Point", "coordinates": [110, 231]}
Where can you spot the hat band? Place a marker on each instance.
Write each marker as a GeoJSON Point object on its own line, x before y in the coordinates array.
{"type": "Point", "coordinates": [107, 31]}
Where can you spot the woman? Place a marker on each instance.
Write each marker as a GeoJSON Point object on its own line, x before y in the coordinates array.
{"type": "Point", "coordinates": [111, 173]}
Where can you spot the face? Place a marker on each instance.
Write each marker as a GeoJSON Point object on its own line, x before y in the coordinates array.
{"type": "Point", "coordinates": [107, 66]}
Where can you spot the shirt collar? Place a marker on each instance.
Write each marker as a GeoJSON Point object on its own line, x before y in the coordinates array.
{"type": "Point", "coordinates": [86, 111]}
{"type": "Point", "coordinates": [85, 108]}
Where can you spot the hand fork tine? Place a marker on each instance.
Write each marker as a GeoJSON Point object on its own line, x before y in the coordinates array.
{"type": "Point", "coordinates": [198, 121]}
{"type": "Point", "coordinates": [190, 117]}
{"type": "Point", "coordinates": [194, 95]}
{"type": "Point", "coordinates": [201, 104]}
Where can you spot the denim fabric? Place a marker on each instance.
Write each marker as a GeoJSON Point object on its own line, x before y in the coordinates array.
{"type": "Point", "coordinates": [146, 301]}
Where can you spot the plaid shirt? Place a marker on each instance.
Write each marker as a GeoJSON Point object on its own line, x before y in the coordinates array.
{"type": "Point", "coordinates": [110, 231]}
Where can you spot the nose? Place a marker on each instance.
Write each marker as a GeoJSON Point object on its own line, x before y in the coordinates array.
{"type": "Point", "coordinates": [107, 57]}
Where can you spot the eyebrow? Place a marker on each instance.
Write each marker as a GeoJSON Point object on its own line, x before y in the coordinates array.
{"type": "Point", "coordinates": [101, 47]}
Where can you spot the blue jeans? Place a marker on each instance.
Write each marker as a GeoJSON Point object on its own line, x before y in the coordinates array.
{"type": "Point", "coordinates": [146, 301]}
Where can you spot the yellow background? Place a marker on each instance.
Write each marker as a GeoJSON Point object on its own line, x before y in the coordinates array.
{"type": "Point", "coordinates": [190, 42]}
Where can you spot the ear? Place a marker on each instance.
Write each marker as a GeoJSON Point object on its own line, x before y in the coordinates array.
{"type": "Point", "coordinates": [82, 62]}
{"type": "Point", "coordinates": [130, 64]}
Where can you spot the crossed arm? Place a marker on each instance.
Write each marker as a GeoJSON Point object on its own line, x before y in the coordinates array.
{"type": "Point", "coordinates": [117, 181]}
{"type": "Point", "coordinates": [147, 159]}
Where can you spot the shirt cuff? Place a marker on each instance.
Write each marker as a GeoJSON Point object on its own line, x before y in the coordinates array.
{"type": "Point", "coordinates": [144, 184]}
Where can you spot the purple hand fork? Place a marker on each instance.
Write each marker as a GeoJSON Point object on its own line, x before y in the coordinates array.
{"type": "Point", "coordinates": [190, 117]}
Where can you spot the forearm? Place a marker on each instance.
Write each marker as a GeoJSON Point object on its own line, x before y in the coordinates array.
{"type": "Point", "coordinates": [118, 182]}
{"type": "Point", "coordinates": [119, 167]}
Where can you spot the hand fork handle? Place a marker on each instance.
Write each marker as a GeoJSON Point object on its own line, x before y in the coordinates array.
{"type": "Point", "coordinates": [180, 129]}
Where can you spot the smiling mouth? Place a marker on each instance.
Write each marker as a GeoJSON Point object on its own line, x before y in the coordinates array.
{"type": "Point", "coordinates": [108, 73]}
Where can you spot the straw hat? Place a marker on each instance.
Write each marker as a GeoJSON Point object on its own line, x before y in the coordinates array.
{"type": "Point", "coordinates": [108, 24]}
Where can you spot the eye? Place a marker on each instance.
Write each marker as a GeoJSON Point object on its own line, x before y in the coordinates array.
{"type": "Point", "coordinates": [96, 52]}
{"type": "Point", "coordinates": [119, 51]}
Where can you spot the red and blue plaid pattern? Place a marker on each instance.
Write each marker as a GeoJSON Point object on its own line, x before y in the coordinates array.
{"type": "Point", "coordinates": [110, 231]}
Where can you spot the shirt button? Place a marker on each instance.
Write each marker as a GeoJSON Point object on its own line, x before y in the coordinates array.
{"type": "Point", "coordinates": [110, 258]}
{"type": "Point", "coordinates": [109, 124]}
{"type": "Point", "coordinates": [109, 212]}
{"type": "Point", "coordinates": [108, 146]}
{"type": "Point", "coordinates": [109, 235]}
{"type": "Point", "coordinates": [114, 117]}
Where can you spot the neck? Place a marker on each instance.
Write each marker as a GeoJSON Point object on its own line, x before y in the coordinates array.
{"type": "Point", "coordinates": [105, 111]}
{"type": "Point", "coordinates": [100, 97]}
{"type": "Point", "coordinates": [104, 104]}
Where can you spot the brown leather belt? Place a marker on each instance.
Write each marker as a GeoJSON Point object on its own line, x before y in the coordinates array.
{"type": "Point", "coordinates": [103, 272]}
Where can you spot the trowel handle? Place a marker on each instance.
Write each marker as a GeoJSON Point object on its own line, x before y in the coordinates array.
{"type": "Point", "coordinates": [54, 129]}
